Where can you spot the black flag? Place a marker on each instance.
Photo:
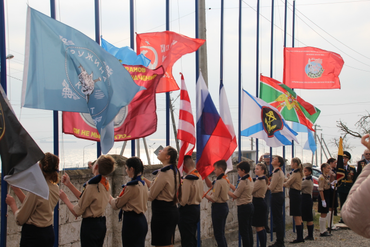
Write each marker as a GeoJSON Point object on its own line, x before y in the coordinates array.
{"type": "Point", "coordinates": [19, 153]}
{"type": "Point", "coordinates": [18, 150]}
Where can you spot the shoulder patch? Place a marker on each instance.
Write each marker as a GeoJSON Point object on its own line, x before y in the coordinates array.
{"type": "Point", "coordinates": [322, 178]}
{"type": "Point", "coordinates": [191, 177]}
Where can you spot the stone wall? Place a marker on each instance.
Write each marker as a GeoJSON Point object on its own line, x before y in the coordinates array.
{"type": "Point", "coordinates": [69, 226]}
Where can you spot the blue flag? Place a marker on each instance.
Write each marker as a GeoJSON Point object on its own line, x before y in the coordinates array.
{"type": "Point", "coordinates": [65, 70]}
{"type": "Point", "coordinates": [125, 54]}
{"type": "Point", "coordinates": [310, 143]}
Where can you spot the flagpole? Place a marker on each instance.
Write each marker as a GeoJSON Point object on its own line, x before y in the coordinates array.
{"type": "Point", "coordinates": [240, 89]}
{"type": "Point", "coordinates": [56, 146]}
{"type": "Point", "coordinates": [285, 24]}
{"type": "Point", "coordinates": [168, 94]}
{"type": "Point", "coordinates": [293, 46]}
{"type": "Point", "coordinates": [257, 61]}
{"type": "Point", "coordinates": [257, 78]}
{"type": "Point", "coordinates": [4, 184]}
{"type": "Point", "coordinates": [196, 78]}
{"type": "Point", "coordinates": [132, 45]}
{"type": "Point", "coordinates": [271, 75]}
{"type": "Point", "coordinates": [97, 39]}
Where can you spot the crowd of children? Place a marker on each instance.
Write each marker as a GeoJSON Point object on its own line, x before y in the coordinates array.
{"type": "Point", "coordinates": [176, 201]}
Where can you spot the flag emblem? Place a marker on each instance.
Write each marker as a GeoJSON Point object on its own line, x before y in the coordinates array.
{"type": "Point", "coordinates": [314, 68]}
{"type": "Point", "coordinates": [2, 122]}
{"type": "Point", "coordinates": [271, 121]}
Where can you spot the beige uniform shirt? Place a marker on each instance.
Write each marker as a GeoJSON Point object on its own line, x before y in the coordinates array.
{"type": "Point", "coordinates": [191, 190]}
{"type": "Point", "coordinates": [324, 182]}
{"type": "Point", "coordinates": [220, 189]}
{"type": "Point", "coordinates": [163, 187]}
{"type": "Point", "coordinates": [277, 181]}
{"type": "Point", "coordinates": [37, 211]}
{"type": "Point", "coordinates": [134, 198]}
{"type": "Point", "coordinates": [244, 191]}
{"type": "Point", "coordinates": [260, 188]}
{"type": "Point", "coordinates": [307, 185]}
{"type": "Point", "coordinates": [93, 201]}
{"type": "Point", "coordinates": [294, 181]}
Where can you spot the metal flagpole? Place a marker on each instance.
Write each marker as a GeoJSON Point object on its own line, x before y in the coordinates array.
{"type": "Point", "coordinates": [4, 184]}
{"type": "Point", "coordinates": [132, 45]}
{"type": "Point", "coordinates": [257, 73]}
{"type": "Point", "coordinates": [240, 88]}
{"type": "Point", "coordinates": [168, 93]}
{"type": "Point", "coordinates": [196, 78]}
{"type": "Point", "coordinates": [271, 75]}
{"type": "Point", "coordinates": [56, 146]}
{"type": "Point", "coordinates": [285, 28]}
{"type": "Point", "coordinates": [97, 39]}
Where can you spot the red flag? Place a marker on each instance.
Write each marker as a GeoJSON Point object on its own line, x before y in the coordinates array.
{"type": "Point", "coordinates": [311, 68]}
{"type": "Point", "coordinates": [186, 130]}
{"type": "Point", "coordinates": [165, 48]}
{"type": "Point", "coordinates": [137, 120]}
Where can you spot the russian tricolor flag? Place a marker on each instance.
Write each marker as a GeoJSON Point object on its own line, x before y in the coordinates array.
{"type": "Point", "coordinates": [213, 137]}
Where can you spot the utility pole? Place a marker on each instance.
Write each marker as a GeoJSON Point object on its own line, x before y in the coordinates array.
{"type": "Point", "coordinates": [203, 35]}
{"type": "Point", "coordinates": [174, 127]}
{"type": "Point", "coordinates": [316, 129]}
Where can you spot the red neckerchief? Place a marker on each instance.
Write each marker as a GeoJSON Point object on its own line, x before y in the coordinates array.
{"type": "Point", "coordinates": [104, 182]}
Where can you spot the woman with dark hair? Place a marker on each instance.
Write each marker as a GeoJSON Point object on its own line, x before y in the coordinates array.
{"type": "Point", "coordinates": [133, 204]}
{"type": "Point", "coordinates": [324, 190]}
{"type": "Point", "coordinates": [36, 213]}
{"type": "Point", "coordinates": [260, 206]}
{"type": "Point", "coordinates": [163, 195]}
{"type": "Point", "coordinates": [307, 203]}
{"type": "Point", "coordinates": [294, 183]}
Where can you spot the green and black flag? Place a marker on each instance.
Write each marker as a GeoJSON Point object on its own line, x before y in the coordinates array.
{"type": "Point", "coordinates": [19, 152]}
{"type": "Point", "coordinates": [340, 166]}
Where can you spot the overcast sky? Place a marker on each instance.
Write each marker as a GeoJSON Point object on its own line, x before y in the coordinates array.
{"type": "Point", "coordinates": [341, 26]}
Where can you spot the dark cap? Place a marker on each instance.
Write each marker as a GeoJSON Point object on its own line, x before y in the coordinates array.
{"type": "Point", "coordinates": [347, 154]}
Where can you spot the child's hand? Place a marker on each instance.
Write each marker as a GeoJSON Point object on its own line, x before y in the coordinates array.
{"type": "Point", "coordinates": [15, 189]}
{"type": "Point", "coordinates": [9, 200]}
{"type": "Point", "coordinates": [66, 180]}
{"type": "Point", "coordinates": [63, 196]}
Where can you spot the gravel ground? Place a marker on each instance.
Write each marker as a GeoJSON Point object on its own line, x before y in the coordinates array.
{"type": "Point", "coordinates": [341, 238]}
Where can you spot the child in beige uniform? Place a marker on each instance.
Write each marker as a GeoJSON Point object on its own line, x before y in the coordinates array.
{"type": "Point", "coordinates": [294, 182]}
{"type": "Point", "coordinates": [133, 202]}
{"type": "Point", "coordinates": [189, 208]}
{"type": "Point", "coordinates": [92, 202]}
{"type": "Point", "coordinates": [243, 195]}
{"type": "Point", "coordinates": [324, 190]}
{"type": "Point", "coordinates": [277, 199]}
{"type": "Point", "coordinates": [163, 195]}
{"type": "Point", "coordinates": [36, 213]}
{"type": "Point", "coordinates": [260, 205]}
{"type": "Point", "coordinates": [219, 199]}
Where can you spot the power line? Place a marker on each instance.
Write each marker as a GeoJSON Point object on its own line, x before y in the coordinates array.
{"type": "Point", "coordinates": [332, 35]}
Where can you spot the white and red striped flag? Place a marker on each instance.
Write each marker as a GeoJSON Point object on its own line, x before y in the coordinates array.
{"type": "Point", "coordinates": [226, 117]}
{"type": "Point", "coordinates": [186, 128]}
